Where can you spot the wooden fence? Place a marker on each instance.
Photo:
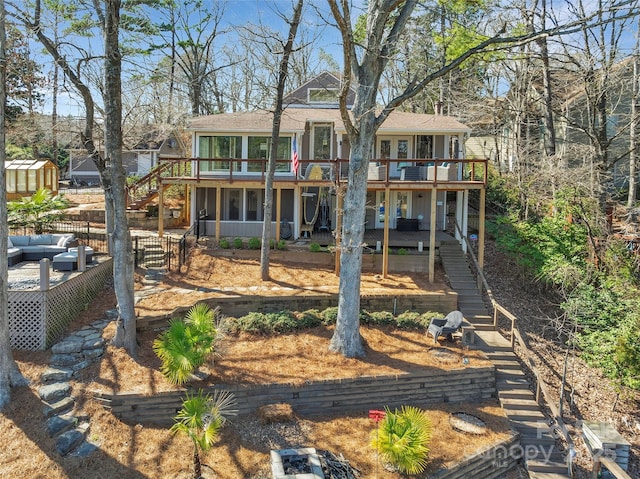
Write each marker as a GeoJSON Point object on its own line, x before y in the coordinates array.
{"type": "Point", "coordinates": [332, 397]}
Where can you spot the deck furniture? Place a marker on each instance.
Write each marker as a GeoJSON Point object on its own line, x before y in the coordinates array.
{"type": "Point", "coordinates": [446, 326]}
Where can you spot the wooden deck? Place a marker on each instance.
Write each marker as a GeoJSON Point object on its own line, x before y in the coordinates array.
{"type": "Point", "coordinates": [397, 239]}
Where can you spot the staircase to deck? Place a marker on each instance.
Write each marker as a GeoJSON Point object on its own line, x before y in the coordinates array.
{"type": "Point", "coordinates": [540, 454]}
{"type": "Point", "coordinates": [145, 190]}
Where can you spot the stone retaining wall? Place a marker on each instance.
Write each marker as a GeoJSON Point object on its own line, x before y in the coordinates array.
{"type": "Point", "coordinates": [489, 463]}
{"type": "Point", "coordinates": [332, 397]}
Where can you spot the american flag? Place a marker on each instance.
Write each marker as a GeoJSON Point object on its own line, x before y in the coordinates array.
{"type": "Point", "coordinates": [294, 158]}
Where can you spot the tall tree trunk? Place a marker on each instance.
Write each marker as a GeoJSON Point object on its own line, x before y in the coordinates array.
{"type": "Point", "coordinates": [346, 337]}
{"type": "Point", "coordinates": [86, 135]}
{"type": "Point", "coordinates": [275, 136]}
{"type": "Point", "coordinates": [122, 249]}
{"type": "Point", "coordinates": [9, 373]}
{"type": "Point", "coordinates": [633, 140]}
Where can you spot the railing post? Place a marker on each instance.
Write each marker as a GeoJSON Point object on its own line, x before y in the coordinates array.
{"type": "Point", "coordinates": [135, 252]}
{"type": "Point", "coordinates": [169, 253]}
{"type": "Point", "coordinates": [495, 317]}
{"type": "Point", "coordinates": [513, 334]}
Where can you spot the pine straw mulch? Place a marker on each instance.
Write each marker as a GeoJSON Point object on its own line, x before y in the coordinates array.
{"type": "Point", "coordinates": [145, 451]}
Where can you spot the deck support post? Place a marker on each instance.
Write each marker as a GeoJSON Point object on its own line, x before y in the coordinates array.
{"type": "Point", "coordinates": [278, 209]}
{"type": "Point", "coordinates": [481, 219]}
{"type": "Point", "coordinates": [385, 242]}
{"type": "Point", "coordinates": [218, 212]}
{"type": "Point", "coordinates": [338, 230]}
{"type": "Point", "coordinates": [432, 235]}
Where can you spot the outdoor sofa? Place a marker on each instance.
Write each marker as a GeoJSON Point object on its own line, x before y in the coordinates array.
{"type": "Point", "coordinates": [37, 247]}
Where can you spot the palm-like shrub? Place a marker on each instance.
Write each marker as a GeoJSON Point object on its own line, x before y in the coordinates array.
{"type": "Point", "coordinates": [38, 211]}
{"type": "Point", "coordinates": [402, 439]}
{"type": "Point", "coordinates": [187, 344]}
{"type": "Point", "coordinates": [201, 418]}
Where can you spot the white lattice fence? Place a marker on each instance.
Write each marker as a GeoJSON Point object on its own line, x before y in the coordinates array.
{"type": "Point", "coordinates": [27, 320]}
{"type": "Point", "coordinates": [38, 318]}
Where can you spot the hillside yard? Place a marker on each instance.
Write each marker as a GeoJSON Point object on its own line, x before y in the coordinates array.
{"type": "Point", "coordinates": [143, 451]}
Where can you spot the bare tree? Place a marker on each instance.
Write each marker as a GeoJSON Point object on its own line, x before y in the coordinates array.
{"type": "Point", "coordinates": [283, 72]}
{"type": "Point", "coordinates": [122, 248]}
{"type": "Point", "coordinates": [364, 65]}
{"type": "Point", "coordinates": [189, 33]}
{"type": "Point", "coordinates": [633, 140]}
{"type": "Point", "coordinates": [10, 375]}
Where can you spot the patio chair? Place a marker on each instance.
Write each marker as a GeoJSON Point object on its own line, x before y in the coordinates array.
{"type": "Point", "coordinates": [445, 326]}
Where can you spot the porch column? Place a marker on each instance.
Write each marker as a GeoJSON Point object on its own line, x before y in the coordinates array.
{"type": "Point", "coordinates": [278, 202]}
{"type": "Point", "coordinates": [160, 210]}
{"type": "Point", "coordinates": [338, 230]}
{"type": "Point", "coordinates": [385, 236]}
{"type": "Point", "coordinates": [465, 219]}
{"type": "Point", "coordinates": [432, 236]}
{"type": "Point", "coordinates": [459, 214]}
{"type": "Point", "coordinates": [186, 208]}
{"type": "Point", "coordinates": [218, 212]}
{"type": "Point", "coordinates": [446, 152]}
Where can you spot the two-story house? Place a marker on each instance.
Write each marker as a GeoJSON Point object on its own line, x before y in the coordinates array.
{"type": "Point", "coordinates": [419, 180]}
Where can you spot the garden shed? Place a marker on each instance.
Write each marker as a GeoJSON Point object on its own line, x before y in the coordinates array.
{"type": "Point", "coordinates": [25, 177]}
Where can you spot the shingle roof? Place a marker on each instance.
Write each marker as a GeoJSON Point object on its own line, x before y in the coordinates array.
{"type": "Point", "coordinates": [295, 119]}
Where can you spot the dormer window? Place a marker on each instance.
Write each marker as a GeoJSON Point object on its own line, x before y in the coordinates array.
{"type": "Point", "coordinates": [323, 95]}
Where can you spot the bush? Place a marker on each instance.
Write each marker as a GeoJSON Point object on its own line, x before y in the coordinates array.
{"type": "Point", "coordinates": [330, 315]}
{"type": "Point", "coordinates": [280, 245]}
{"type": "Point", "coordinates": [266, 323]}
{"type": "Point", "coordinates": [254, 243]}
{"type": "Point", "coordinates": [402, 439]}
{"type": "Point", "coordinates": [224, 243]}
{"type": "Point", "coordinates": [402, 252]}
{"type": "Point", "coordinates": [238, 243]}
{"type": "Point", "coordinates": [315, 248]}
{"type": "Point", "coordinates": [379, 318]}
{"type": "Point", "coordinates": [409, 320]}
{"type": "Point", "coordinates": [310, 319]}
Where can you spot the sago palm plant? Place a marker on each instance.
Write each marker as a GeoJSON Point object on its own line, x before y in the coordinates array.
{"type": "Point", "coordinates": [201, 418]}
{"type": "Point", "coordinates": [402, 439]}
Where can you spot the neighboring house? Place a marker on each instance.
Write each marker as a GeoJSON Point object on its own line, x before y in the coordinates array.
{"type": "Point", "coordinates": [149, 148]}
{"type": "Point", "coordinates": [418, 181]}
{"type": "Point", "coordinates": [513, 135]}
{"type": "Point", "coordinates": [25, 177]}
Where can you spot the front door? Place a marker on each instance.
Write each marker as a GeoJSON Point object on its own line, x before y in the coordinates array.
{"type": "Point", "coordinates": [400, 208]}
{"type": "Point", "coordinates": [396, 147]}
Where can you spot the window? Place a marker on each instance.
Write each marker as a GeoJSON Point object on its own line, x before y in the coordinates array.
{"type": "Point", "coordinates": [259, 148]}
{"type": "Point", "coordinates": [322, 142]}
{"type": "Point", "coordinates": [231, 204]}
{"type": "Point", "coordinates": [323, 95]}
{"type": "Point", "coordinates": [254, 205]}
{"type": "Point", "coordinates": [22, 181]}
{"type": "Point", "coordinates": [220, 147]}
{"type": "Point", "coordinates": [425, 147]}
{"type": "Point", "coordinates": [11, 181]}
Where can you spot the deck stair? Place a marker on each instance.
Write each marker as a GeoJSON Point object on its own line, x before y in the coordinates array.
{"type": "Point", "coordinates": [145, 190]}
{"type": "Point", "coordinates": [540, 453]}
{"type": "Point", "coordinates": [462, 282]}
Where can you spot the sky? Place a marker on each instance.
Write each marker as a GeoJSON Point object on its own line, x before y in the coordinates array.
{"type": "Point", "coordinates": [237, 12]}
{"type": "Point", "coordinates": [243, 12]}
